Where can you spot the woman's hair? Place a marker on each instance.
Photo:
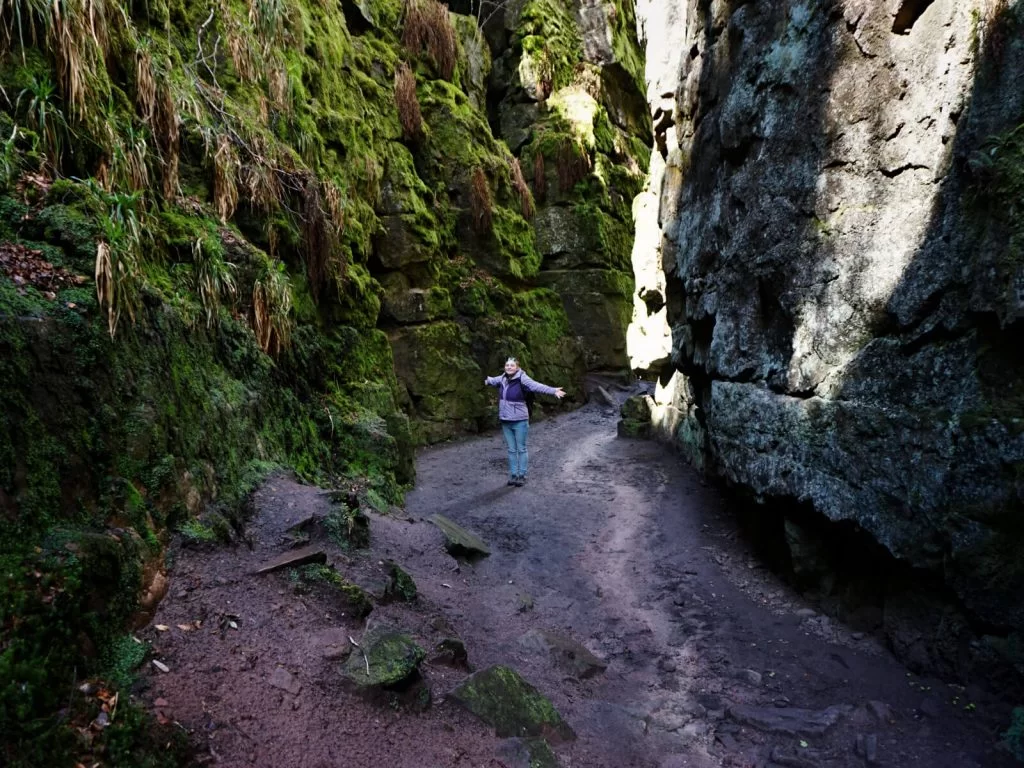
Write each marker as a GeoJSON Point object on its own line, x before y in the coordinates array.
{"type": "Point", "coordinates": [512, 360]}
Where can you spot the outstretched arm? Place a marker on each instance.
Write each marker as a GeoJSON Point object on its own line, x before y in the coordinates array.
{"type": "Point", "coordinates": [543, 389]}
{"type": "Point", "coordinates": [492, 381]}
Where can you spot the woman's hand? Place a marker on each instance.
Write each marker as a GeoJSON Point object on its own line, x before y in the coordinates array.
{"type": "Point", "coordinates": [559, 393]}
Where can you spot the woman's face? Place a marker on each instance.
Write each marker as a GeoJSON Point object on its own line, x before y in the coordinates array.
{"type": "Point", "coordinates": [511, 366]}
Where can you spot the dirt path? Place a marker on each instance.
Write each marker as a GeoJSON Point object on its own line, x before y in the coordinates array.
{"type": "Point", "coordinates": [613, 544]}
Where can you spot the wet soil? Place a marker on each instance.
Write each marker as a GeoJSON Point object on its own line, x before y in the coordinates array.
{"type": "Point", "coordinates": [613, 544]}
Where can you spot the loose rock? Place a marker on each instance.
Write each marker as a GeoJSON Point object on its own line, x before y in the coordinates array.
{"type": "Point", "coordinates": [385, 657]}
{"type": "Point", "coordinates": [458, 540]}
{"type": "Point", "coordinates": [501, 698]}
{"type": "Point", "coordinates": [304, 556]}
{"type": "Point", "coordinates": [283, 679]}
{"type": "Point", "coordinates": [789, 721]}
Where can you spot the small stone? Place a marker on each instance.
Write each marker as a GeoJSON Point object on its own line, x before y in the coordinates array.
{"type": "Point", "coordinates": [667, 665]}
{"type": "Point", "coordinates": [749, 676]}
{"type": "Point", "coordinates": [336, 652]}
{"type": "Point", "coordinates": [694, 732]}
{"type": "Point", "coordinates": [881, 711]}
{"type": "Point", "coordinates": [284, 680]}
{"type": "Point", "coordinates": [451, 651]}
{"type": "Point", "coordinates": [805, 613]}
{"type": "Point", "coordinates": [181, 594]}
{"type": "Point", "coordinates": [871, 749]}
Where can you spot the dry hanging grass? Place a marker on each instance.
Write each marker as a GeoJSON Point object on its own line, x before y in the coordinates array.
{"type": "Point", "coordinates": [262, 185]}
{"type": "Point", "coordinates": [225, 176]}
{"type": "Point", "coordinates": [540, 178]}
{"type": "Point", "coordinates": [519, 184]}
{"type": "Point", "coordinates": [105, 285]}
{"type": "Point", "coordinates": [335, 214]}
{"type": "Point", "coordinates": [165, 131]}
{"type": "Point", "coordinates": [277, 87]}
{"type": "Point", "coordinates": [480, 203]}
{"type": "Point", "coordinates": [573, 165]}
{"type": "Point", "coordinates": [408, 103]}
{"type": "Point", "coordinates": [271, 304]}
{"type": "Point", "coordinates": [145, 86]}
{"type": "Point", "coordinates": [241, 56]}
{"type": "Point", "coordinates": [429, 27]}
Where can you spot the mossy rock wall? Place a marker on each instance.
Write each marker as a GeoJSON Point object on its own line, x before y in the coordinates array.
{"type": "Point", "coordinates": [568, 96]}
{"type": "Point", "coordinates": [211, 267]}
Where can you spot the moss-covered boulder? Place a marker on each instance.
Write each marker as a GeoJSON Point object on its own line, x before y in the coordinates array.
{"type": "Point", "coordinates": [501, 698]}
{"type": "Point", "coordinates": [386, 657]}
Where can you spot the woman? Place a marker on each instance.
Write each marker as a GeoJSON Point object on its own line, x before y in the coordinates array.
{"type": "Point", "coordinates": [515, 416]}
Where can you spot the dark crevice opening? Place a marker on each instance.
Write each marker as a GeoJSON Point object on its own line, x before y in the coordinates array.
{"type": "Point", "coordinates": [908, 14]}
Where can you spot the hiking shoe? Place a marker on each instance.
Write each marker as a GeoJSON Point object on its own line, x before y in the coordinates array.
{"type": "Point", "coordinates": [512, 481]}
{"type": "Point", "coordinates": [521, 481]}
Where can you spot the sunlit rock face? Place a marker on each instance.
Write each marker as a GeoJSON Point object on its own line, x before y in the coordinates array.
{"type": "Point", "coordinates": [829, 277]}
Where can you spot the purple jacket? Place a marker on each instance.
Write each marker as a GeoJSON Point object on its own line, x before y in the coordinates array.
{"type": "Point", "coordinates": [515, 410]}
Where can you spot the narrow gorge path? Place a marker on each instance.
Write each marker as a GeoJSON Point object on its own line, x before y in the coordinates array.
{"type": "Point", "coordinates": [701, 657]}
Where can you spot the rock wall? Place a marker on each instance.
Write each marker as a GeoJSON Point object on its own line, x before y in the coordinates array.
{"type": "Point", "coordinates": [566, 94]}
{"type": "Point", "coordinates": [830, 273]}
{"type": "Point", "coordinates": [247, 237]}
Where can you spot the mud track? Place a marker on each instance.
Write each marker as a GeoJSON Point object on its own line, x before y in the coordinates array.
{"type": "Point", "coordinates": [614, 544]}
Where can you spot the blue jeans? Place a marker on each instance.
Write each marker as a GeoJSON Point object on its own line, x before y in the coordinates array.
{"type": "Point", "coordinates": [515, 437]}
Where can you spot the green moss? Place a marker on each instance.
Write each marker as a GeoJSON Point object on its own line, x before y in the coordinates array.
{"type": "Point", "coordinates": [354, 598]}
{"type": "Point", "coordinates": [391, 658]}
{"type": "Point", "coordinates": [400, 584]}
{"type": "Point", "coordinates": [547, 33]}
{"type": "Point", "coordinates": [503, 699]}
{"type": "Point", "coordinates": [121, 658]}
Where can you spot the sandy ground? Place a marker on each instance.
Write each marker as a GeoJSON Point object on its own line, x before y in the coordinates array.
{"type": "Point", "coordinates": [614, 545]}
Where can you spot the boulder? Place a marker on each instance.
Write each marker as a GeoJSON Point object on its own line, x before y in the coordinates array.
{"type": "Point", "coordinates": [501, 698]}
{"type": "Point", "coordinates": [391, 656]}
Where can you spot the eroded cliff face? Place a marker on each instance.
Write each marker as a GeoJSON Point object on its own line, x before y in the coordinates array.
{"type": "Point", "coordinates": [830, 282]}
{"type": "Point", "coordinates": [566, 95]}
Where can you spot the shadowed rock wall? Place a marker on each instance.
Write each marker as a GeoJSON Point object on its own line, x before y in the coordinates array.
{"type": "Point", "coordinates": [829, 269]}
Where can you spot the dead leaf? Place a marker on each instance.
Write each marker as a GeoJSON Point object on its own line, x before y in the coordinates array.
{"type": "Point", "coordinates": [161, 666]}
{"type": "Point", "coordinates": [162, 628]}
{"type": "Point", "coordinates": [185, 627]}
